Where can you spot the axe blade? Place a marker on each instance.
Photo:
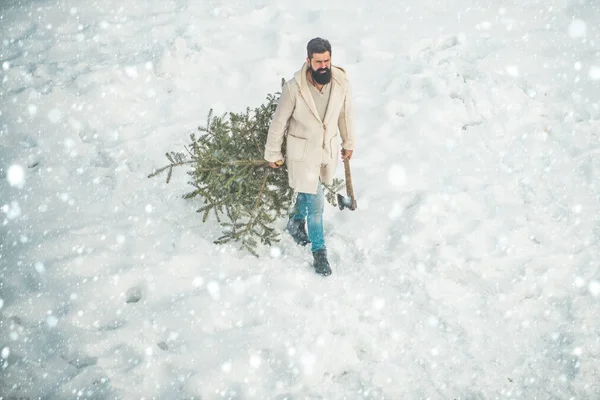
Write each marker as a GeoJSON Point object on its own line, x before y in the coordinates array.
{"type": "Point", "coordinates": [346, 202]}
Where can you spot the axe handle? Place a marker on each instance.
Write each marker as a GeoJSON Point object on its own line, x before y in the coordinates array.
{"type": "Point", "coordinates": [349, 189]}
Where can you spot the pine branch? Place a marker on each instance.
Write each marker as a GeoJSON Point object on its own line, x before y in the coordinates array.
{"type": "Point", "coordinates": [170, 167]}
{"type": "Point", "coordinates": [250, 224]}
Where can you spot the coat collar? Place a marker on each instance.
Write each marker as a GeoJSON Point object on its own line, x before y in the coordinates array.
{"type": "Point", "coordinates": [336, 88]}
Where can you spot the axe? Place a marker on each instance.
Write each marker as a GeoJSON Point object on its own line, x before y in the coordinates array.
{"type": "Point", "coordinates": [347, 201]}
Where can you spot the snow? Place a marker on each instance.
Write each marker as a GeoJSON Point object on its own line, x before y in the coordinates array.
{"type": "Point", "coordinates": [12, 211]}
{"type": "Point", "coordinates": [469, 270]}
{"type": "Point", "coordinates": [577, 28]}
{"type": "Point", "coordinates": [52, 321]}
{"type": "Point", "coordinates": [39, 267]}
{"type": "Point", "coordinates": [594, 73]}
{"type": "Point", "coordinates": [275, 251]}
{"type": "Point", "coordinates": [16, 175]}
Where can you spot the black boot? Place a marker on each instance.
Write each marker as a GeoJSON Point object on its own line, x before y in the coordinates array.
{"type": "Point", "coordinates": [297, 228]}
{"type": "Point", "coordinates": [321, 264]}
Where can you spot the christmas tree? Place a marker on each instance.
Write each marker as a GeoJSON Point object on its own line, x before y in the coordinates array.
{"type": "Point", "coordinates": [237, 185]}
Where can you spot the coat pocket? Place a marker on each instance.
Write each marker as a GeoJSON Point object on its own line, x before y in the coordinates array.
{"type": "Point", "coordinates": [333, 146]}
{"type": "Point", "coordinates": [296, 148]}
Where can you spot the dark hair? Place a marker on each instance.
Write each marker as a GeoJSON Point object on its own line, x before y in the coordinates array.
{"type": "Point", "coordinates": [317, 45]}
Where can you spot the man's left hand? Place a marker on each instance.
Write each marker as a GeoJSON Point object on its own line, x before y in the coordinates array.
{"type": "Point", "coordinates": [346, 154]}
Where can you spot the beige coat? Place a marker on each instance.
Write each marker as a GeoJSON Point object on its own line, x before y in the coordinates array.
{"type": "Point", "coordinates": [312, 145]}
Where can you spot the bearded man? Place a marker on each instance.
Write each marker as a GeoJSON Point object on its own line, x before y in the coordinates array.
{"type": "Point", "coordinates": [315, 109]}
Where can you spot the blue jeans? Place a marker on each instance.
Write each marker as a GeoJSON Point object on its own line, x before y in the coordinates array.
{"type": "Point", "coordinates": [310, 207]}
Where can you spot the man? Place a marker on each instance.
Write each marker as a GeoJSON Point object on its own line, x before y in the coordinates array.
{"type": "Point", "coordinates": [314, 105]}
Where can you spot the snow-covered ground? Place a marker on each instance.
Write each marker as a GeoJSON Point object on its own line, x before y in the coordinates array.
{"type": "Point", "coordinates": [470, 269]}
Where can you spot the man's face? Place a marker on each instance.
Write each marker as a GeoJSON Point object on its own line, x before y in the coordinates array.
{"type": "Point", "coordinates": [320, 62]}
{"type": "Point", "coordinates": [320, 67]}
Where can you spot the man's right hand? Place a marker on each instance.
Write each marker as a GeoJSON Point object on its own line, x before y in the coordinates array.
{"type": "Point", "coordinates": [276, 164]}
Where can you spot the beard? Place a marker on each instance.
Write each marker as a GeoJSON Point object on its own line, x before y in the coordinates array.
{"type": "Point", "coordinates": [322, 76]}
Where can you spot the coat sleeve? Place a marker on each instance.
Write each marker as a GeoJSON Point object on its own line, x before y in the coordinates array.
{"type": "Point", "coordinates": [346, 120]}
{"type": "Point", "coordinates": [279, 124]}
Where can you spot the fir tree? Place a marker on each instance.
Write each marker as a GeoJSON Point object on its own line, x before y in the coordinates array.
{"type": "Point", "coordinates": [237, 185]}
